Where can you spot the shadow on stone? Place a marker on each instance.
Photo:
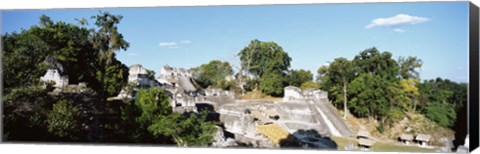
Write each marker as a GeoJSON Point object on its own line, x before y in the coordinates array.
{"type": "Point", "coordinates": [212, 115]}
{"type": "Point", "coordinates": [308, 139]}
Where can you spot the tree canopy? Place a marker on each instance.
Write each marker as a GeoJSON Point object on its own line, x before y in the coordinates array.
{"type": "Point", "coordinates": [87, 54]}
{"type": "Point", "coordinates": [381, 87]}
{"type": "Point", "coordinates": [267, 62]}
{"type": "Point", "coordinates": [298, 77]}
{"type": "Point", "coordinates": [214, 74]}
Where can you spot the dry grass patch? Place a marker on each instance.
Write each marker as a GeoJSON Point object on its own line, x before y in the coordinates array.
{"type": "Point", "coordinates": [273, 132]}
{"type": "Point", "coordinates": [259, 96]}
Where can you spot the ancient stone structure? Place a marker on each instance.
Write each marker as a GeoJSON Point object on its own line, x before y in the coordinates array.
{"type": "Point", "coordinates": [179, 78]}
{"type": "Point", "coordinates": [218, 92]}
{"type": "Point", "coordinates": [292, 93]}
{"type": "Point", "coordinates": [305, 115]}
{"type": "Point", "coordinates": [363, 134]}
{"type": "Point", "coordinates": [177, 83]}
{"type": "Point", "coordinates": [406, 138]}
{"type": "Point", "coordinates": [138, 75]}
{"type": "Point", "coordinates": [241, 119]}
{"type": "Point", "coordinates": [55, 73]}
{"type": "Point", "coordinates": [365, 144]}
{"type": "Point", "coordinates": [423, 139]}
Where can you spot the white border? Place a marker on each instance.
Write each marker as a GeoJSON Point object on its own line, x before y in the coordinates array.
{"type": "Point", "coordinates": [50, 4]}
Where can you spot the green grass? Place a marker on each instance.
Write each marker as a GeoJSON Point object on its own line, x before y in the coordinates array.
{"type": "Point", "coordinates": [341, 142]}
{"type": "Point", "coordinates": [399, 148]}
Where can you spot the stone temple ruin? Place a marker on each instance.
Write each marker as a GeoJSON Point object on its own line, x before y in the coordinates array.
{"type": "Point", "coordinates": [305, 115]}
{"type": "Point", "coordinates": [303, 118]}
{"type": "Point", "coordinates": [177, 83]}
{"type": "Point", "coordinates": [55, 74]}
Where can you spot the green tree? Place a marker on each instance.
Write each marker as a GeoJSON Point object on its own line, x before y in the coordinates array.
{"type": "Point", "coordinates": [409, 79]}
{"type": "Point", "coordinates": [408, 67]}
{"type": "Point", "coordinates": [374, 62]}
{"type": "Point", "coordinates": [441, 99]}
{"type": "Point", "coordinates": [214, 74]}
{"type": "Point", "coordinates": [69, 44]}
{"type": "Point", "coordinates": [156, 121]}
{"type": "Point", "coordinates": [272, 83]}
{"type": "Point", "coordinates": [260, 57]}
{"type": "Point", "coordinates": [442, 113]}
{"type": "Point", "coordinates": [267, 62]}
{"type": "Point", "coordinates": [107, 40]}
{"type": "Point", "coordinates": [137, 115]}
{"type": "Point", "coordinates": [298, 77]}
{"type": "Point", "coordinates": [192, 130]}
{"type": "Point", "coordinates": [374, 91]}
{"type": "Point", "coordinates": [409, 93]}
{"type": "Point", "coordinates": [24, 113]}
{"type": "Point", "coordinates": [151, 103]}
{"type": "Point", "coordinates": [309, 85]}
{"type": "Point", "coordinates": [150, 74]}
{"type": "Point", "coordinates": [62, 120]}
{"type": "Point", "coordinates": [342, 71]}
{"type": "Point", "coordinates": [116, 77]}
{"type": "Point", "coordinates": [23, 56]}
{"type": "Point", "coordinates": [74, 48]}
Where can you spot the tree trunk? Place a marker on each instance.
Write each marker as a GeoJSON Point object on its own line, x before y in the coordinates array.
{"type": "Point", "coordinates": [241, 81]}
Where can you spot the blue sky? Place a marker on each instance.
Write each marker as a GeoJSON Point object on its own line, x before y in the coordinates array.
{"type": "Point", "coordinates": [312, 35]}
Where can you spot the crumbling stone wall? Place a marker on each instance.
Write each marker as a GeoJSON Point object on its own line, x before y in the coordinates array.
{"type": "Point", "coordinates": [292, 93]}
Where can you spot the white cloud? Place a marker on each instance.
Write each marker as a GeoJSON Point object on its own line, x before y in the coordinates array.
{"type": "Point", "coordinates": [185, 41]}
{"type": "Point", "coordinates": [398, 20]}
{"type": "Point", "coordinates": [174, 45]}
{"type": "Point", "coordinates": [168, 44]}
{"type": "Point", "coordinates": [398, 30]}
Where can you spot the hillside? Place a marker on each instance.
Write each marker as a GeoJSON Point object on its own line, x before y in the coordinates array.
{"type": "Point", "coordinates": [387, 141]}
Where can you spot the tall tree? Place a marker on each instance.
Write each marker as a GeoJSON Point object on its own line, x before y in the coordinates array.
{"type": "Point", "coordinates": [107, 40]}
{"type": "Point", "coordinates": [260, 57]}
{"type": "Point", "coordinates": [374, 62]}
{"type": "Point", "coordinates": [408, 67]}
{"type": "Point", "coordinates": [410, 77]}
{"type": "Point", "coordinates": [409, 93]}
{"type": "Point", "coordinates": [247, 56]}
{"type": "Point", "coordinates": [377, 70]}
{"type": "Point", "coordinates": [264, 60]}
{"type": "Point", "coordinates": [342, 71]}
